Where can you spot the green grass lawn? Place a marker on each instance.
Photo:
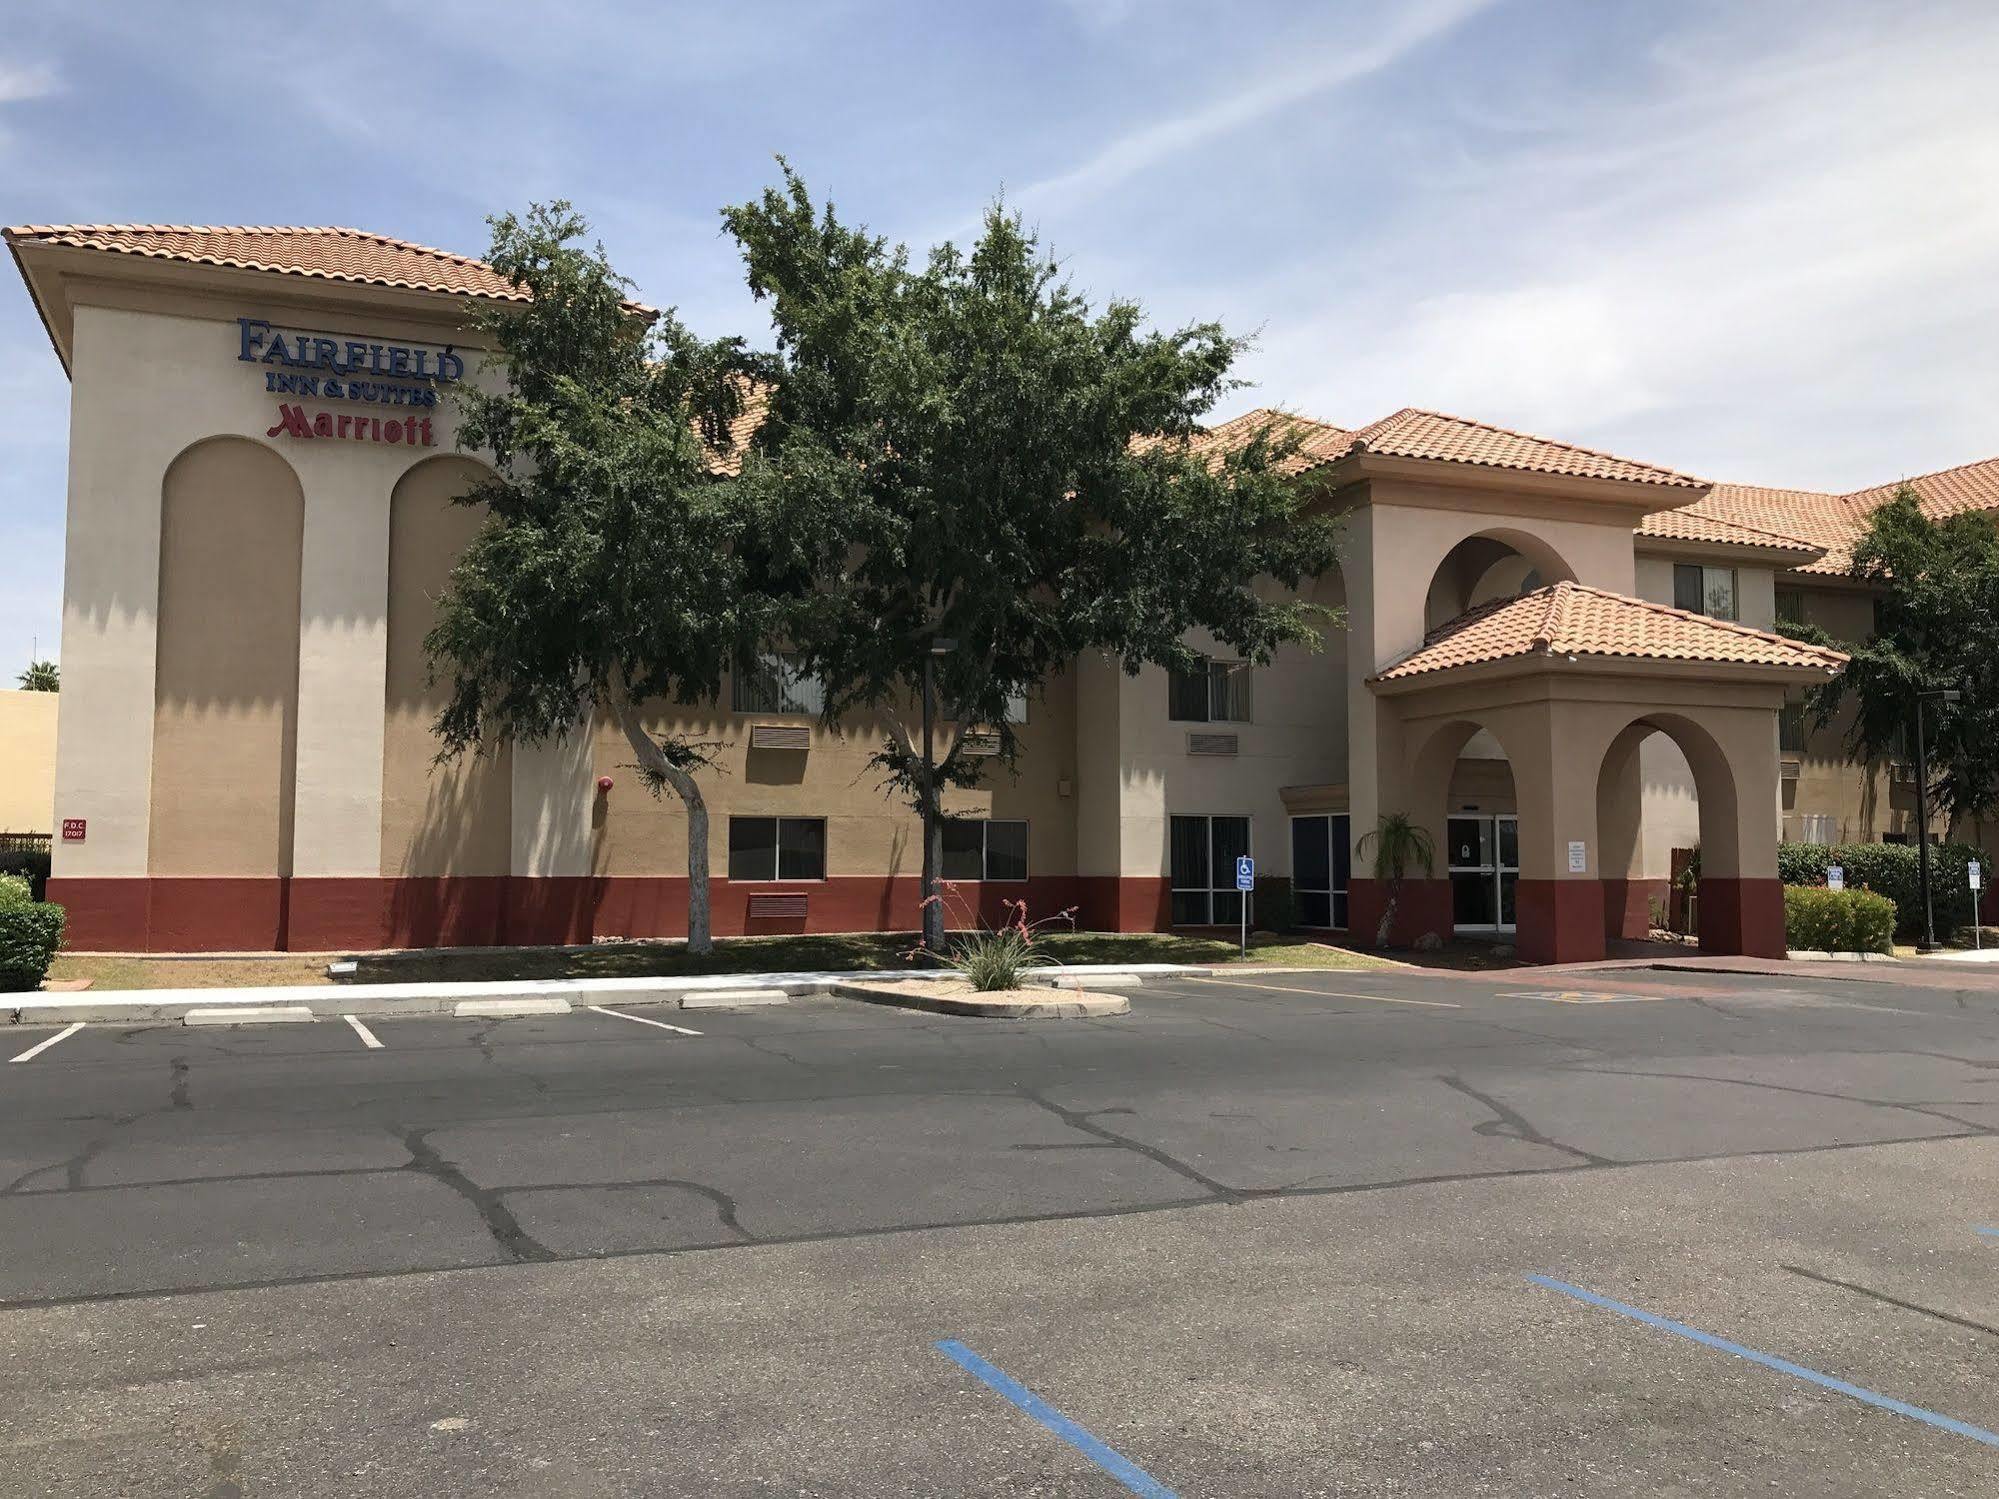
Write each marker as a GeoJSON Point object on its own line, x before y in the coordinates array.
{"type": "Point", "coordinates": [855, 953]}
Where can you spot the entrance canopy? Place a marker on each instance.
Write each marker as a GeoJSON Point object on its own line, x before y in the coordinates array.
{"type": "Point", "coordinates": [1570, 679]}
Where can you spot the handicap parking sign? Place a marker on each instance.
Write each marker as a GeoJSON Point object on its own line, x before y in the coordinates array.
{"type": "Point", "coordinates": [1245, 872]}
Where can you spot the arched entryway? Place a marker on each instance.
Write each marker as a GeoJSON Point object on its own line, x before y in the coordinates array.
{"type": "Point", "coordinates": [1570, 683]}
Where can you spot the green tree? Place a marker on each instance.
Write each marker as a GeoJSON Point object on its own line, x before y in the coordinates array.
{"type": "Point", "coordinates": [608, 574]}
{"type": "Point", "coordinates": [1936, 618]}
{"type": "Point", "coordinates": [969, 452]}
{"type": "Point", "coordinates": [41, 676]}
{"type": "Point", "coordinates": [1400, 848]}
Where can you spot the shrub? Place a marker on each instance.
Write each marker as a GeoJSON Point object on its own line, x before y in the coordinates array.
{"type": "Point", "coordinates": [1890, 869]}
{"type": "Point", "coordinates": [33, 863]}
{"type": "Point", "coordinates": [30, 933]}
{"type": "Point", "coordinates": [16, 891]}
{"type": "Point", "coordinates": [998, 957]}
{"type": "Point", "coordinates": [1275, 908]}
{"type": "Point", "coordinates": [993, 960]}
{"type": "Point", "coordinates": [1821, 920]}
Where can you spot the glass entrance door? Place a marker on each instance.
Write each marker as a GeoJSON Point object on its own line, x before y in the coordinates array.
{"type": "Point", "coordinates": [1484, 860]}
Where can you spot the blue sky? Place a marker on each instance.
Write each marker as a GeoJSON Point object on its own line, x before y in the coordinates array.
{"type": "Point", "coordinates": [1756, 242]}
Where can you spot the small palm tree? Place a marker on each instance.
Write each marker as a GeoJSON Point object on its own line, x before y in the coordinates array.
{"type": "Point", "coordinates": [41, 676]}
{"type": "Point", "coordinates": [1400, 846]}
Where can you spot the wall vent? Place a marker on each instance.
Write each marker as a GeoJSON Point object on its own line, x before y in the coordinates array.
{"type": "Point", "coordinates": [979, 742]}
{"type": "Point", "coordinates": [777, 907]}
{"type": "Point", "coordinates": [780, 736]}
{"type": "Point", "coordinates": [1789, 769]}
{"type": "Point", "coordinates": [1211, 744]}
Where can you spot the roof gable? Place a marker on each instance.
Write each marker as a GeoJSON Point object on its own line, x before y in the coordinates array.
{"type": "Point", "coordinates": [1575, 620]}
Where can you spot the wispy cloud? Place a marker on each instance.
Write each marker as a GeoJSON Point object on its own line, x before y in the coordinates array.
{"type": "Point", "coordinates": [1350, 59]}
{"type": "Point", "coordinates": [21, 81]}
{"type": "Point", "coordinates": [1778, 266]}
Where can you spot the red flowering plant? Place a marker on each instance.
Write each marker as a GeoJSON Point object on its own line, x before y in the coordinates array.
{"type": "Point", "coordinates": [998, 957]}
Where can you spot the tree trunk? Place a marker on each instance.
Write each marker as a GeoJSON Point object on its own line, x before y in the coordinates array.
{"type": "Point", "coordinates": [699, 938]}
{"type": "Point", "coordinates": [933, 862]}
{"type": "Point", "coordinates": [1388, 914]}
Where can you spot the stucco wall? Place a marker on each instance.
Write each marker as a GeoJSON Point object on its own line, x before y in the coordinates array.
{"type": "Point", "coordinates": [1297, 738]}
{"type": "Point", "coordinates": [27, 761]}
{"type": "Point", "coordinates": [226, 680]}
{"type": "Point", "coordinates": [455, 817]}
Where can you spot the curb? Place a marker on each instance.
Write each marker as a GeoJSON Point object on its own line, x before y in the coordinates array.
{"type": "Point", "coordinates": [544, 996]}
{"type": "Point", "coordinates": [1076, 1006]}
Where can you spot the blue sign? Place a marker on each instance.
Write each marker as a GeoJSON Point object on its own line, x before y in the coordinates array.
{"type": "Point", "coordinates": [1245, 872]}
{"type": "Point", "coordinates": [389, 374]}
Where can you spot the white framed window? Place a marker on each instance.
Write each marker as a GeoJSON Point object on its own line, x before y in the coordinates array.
{"type": "Point", "coordinates": [1215, 692]}
{"type": "Point", "coordinates": [777, 848]}
{"type": "Point", "coordinates": [1704, 590]}
{"type": "Point", "coordinates": [1201, 857]}
{"type": "Point", "coordinates": [984, 849]}
{"type": "Point", "coordinates": [1321, 863]}
{"type": "Point", "coordinates": [776, 683]}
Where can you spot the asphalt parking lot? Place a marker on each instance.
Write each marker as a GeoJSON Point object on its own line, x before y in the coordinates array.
{"type": "Point", "coordinates": [1332, 1233]}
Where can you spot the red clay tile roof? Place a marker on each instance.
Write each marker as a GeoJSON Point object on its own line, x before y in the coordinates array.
{"type": "Point", "coordinates": [1835, 522]}
{"type": "Point", "coordinates": [1412, 433]}
{"type": "Point", "coordinates": [1572, 619]}
{"type": "Point", "coordinates": [1698, 522]}
{"type": "Point", "coordinates": [326, 253]}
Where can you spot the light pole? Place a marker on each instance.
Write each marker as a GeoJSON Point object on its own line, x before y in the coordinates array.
{"type": "Point", "coordinates": [933, 910]}
{"type": "Point", "coordinates": [1942, 695]}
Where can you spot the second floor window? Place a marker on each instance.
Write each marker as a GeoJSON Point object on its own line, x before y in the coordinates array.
{"type": "Point", "coordinates": [1791, 732]}
{"type": "Point", "coordinates": [776, 683]}
{"type": "Point", "coordinates": [1790, 606]}
{"type": "Point", "coordinates": [1217, 692]}
{"type": "Point", "coordinates": [1704, 590]}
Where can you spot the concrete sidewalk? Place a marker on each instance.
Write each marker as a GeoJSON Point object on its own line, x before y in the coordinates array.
{"type": "Point", "coordinates": [141, 1006]}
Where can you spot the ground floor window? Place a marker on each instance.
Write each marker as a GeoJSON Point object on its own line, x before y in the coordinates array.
{"type": "Point", "coordinates": [976, 849]}
{"type": "Point", "coordinates": [777, 848]}
{"type": "Point", "coordinates": [1321, 860]}
{"type": "Point", "coordinates": [1204, 851]}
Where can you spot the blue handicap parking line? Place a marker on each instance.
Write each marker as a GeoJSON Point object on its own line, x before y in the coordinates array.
{"type": "Point", "coordinates": [1770, 1361]}
{"type": "Point", "coordinates": [1122, 1468]}
{"type": "Point", "coordinates": [1990, 1233]}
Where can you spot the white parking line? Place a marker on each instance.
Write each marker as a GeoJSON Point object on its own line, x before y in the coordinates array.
{"type": "Point", "coordinates": [683, 1030]}
{"type": "Point", "coordinates": [46, 1042]}
{"type": "Point", "coordinates": [1386, 999]}
{"type": "Point", "coordinates": [367, 1036]}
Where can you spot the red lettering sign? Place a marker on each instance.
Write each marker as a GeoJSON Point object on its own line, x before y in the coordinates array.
{"type": "Point", "coordinates": [293, 422]}
{"type": "Point", "coordinates": [73, 829]}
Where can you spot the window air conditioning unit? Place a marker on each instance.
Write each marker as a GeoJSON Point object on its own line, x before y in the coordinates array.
{"type": "Point", "coordinates": [780, 736]}
{"type": "Point", "coordinates": [979, 742]}
{"type": "Point", "coordinates": [1212, 744]}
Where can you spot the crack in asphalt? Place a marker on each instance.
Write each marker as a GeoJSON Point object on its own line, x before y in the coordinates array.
{"type": "Point", "coordinates": [725, 1205]}
{"type": "Point", "coordinates": [1969, 1125]}
{"type": "Point", "coordinates": [1070, 1215]}
{"type": "Point", "coordinates": [1895, 1301]}
{"type": "Point", "coordinates": [72, 1166]}
{"type": "Point", "coordinates": [1509, 1123]}
{"type": "Point", "coordinates": [178, 1095]}
{"type": "Point", "coordinates": [1085, 1122]}
{"type": "Point", "coordinates": [506, 1230]}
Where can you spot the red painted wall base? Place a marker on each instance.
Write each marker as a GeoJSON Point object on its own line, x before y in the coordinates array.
{"type": "Point", "coordinates": [161, 914]}
{"type": "Point", "coordinates": [1421, 906]}
{"type": "Point", "coordinates": [1627, 907]}
{"type": "Point", "coordinates": [1743, 917]}
{"type": "Point", "coordinates": [1560, 921]}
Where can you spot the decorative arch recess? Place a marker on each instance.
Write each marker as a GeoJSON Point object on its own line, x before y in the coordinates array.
{"type": "Point", "coordinates": [225, 694]}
